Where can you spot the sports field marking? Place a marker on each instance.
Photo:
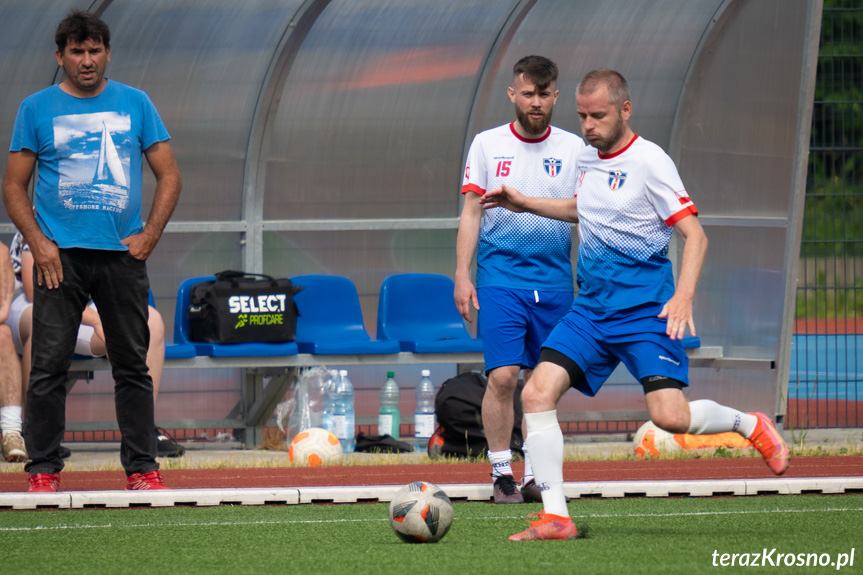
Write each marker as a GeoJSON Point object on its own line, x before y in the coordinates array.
{"type": "Point", "coordinates": [698, 513]}
{"type": "Point", "coordinates": [203, 524]}
{"type": "Point", "coordinates": [459, 518]}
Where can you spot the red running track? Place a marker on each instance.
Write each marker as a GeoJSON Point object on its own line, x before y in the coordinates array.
{"type": "Point", "coordinates": [443, 473]}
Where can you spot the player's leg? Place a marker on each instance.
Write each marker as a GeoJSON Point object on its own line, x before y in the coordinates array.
{"type": "Point", "coordinates": [502, 320]}
{"type": "Point", "coordinates": [10, 398]}
{"type": "Point", "coordinates": [12, 391]}
{"type": "Point", "coordinates": [544, 441]}
{"type": "Point", "coordinates": [156, 350]}
{"type": "Point", "coordinates": [572, 356]}
{"type": "Point", "coordinates": [662, 366]}
{"type": "Point", "coordinates": [547, 310]}
{"type": "Point", "coordinates": [670, 410]}
{"type": "Point", "coordinates": [498, 420]}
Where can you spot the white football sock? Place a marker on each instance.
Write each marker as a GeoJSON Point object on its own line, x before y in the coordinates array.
{"type": "Point", "coordinates": [707, 417]}
{"type": "Point", "coordinates": [10, 418]}
{"type": "Point", "coordinates": [528, 468]}
{"type": "Point", "coordinates": [545, 442]}
{"type": "Point", "coordinates": [500, 462]}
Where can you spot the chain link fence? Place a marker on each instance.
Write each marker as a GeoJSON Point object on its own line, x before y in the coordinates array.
{"type": "Point", "coordinates": [826, 382]}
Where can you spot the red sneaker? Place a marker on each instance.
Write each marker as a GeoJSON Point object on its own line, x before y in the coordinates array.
{"type": "Point", "coordinates": [151, 480]}
{"type": "Point", "coordinates": [44, 483]}
{"type": "Point", "coordinates": [770, 444]}
{"type": "Point", "coordinates": [547, 526]}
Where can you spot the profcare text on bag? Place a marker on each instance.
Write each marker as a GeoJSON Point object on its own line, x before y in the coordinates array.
{"type": "Point", "coordinates": [239, 307]}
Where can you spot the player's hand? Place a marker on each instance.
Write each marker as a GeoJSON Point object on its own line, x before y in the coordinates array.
{"type": "Point", "coordinates": [503, 197]}
{"type": "Point", "coordinates": [465, 297]}
{"type": "Point", "coordinates": [678, 312]}
{"type": "Point", "coordinates": [46, 260]}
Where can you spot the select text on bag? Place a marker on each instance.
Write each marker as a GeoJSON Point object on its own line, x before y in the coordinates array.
{"type": "Point", "coordinates": [256, 304]}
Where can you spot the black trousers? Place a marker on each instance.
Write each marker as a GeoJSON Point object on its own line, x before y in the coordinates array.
{"type": "Point", "coordinates": [118, 285]}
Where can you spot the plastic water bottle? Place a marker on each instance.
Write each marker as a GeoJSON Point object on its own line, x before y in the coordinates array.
{"type": "Point", "coordinates": [327, 421]}
{"type": "Point", "coordinates": [304, 406]}
{"type": "Point", "coordinates": [424, 416]}
{"type": "Point", "coordinates": [344, 419]}
{"type": "Point", "coordinates": [388, 417]}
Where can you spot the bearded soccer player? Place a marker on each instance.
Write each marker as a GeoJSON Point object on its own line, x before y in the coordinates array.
{"type": "Point", "coordinates": [524, 275]}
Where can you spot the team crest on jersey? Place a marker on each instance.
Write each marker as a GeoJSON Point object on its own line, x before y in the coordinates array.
{"type": "Point", "coordinates": [616, 179]}
{"type": "Point", "coordinates": [552, 166]}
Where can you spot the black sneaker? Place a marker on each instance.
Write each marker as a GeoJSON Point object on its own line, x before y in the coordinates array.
{"type": "Point", "coordinates": [166, 446]}
{"type": "Point", "coordinates": [531, 493]}
{"type": "Point", "coordinates": [506, 490]}
{"type": "Point", "coordinates": [65, 452]}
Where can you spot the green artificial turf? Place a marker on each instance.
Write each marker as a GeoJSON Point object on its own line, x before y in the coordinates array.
{"type": "Point", "coordinates": [625, 536]}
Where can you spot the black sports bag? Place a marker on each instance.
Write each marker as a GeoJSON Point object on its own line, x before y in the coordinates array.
{"type": "Point", "coordinates": [458, 407]}
{"type": "Point", "coordinates": [240, 307]}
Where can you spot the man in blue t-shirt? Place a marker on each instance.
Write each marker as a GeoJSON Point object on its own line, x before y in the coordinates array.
{"type": "Point", "coordinates": [89, 135]}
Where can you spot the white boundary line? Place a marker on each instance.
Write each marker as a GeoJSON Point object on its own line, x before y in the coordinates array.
{"type": "Point", "coordinates": [384, 493]}
{"type": "Point", "coordinates": [460, 517]}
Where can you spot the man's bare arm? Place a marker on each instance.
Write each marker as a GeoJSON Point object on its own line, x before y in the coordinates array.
{"type": "Point", "coordinates": [678, 310]}
{"type": "Point", "coordinates": [466, 243]}
{"type": "Point", "coordinates": [168, 185]}
{"type": "Point", "coordinates": [46, 255]}
{"type": "Point", "coordinates": [564, 209]}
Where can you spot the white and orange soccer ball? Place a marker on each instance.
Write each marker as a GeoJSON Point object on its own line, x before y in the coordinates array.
{"type": "Point", "coordinates": [421, 512]}
{"type": "Point", "coordinates": [314, 447]}
{"type": "Point", "coordinates": [651, 441]}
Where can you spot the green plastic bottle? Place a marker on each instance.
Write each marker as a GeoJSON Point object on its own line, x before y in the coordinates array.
{"type": "Point", "coordinates": [389, 420]}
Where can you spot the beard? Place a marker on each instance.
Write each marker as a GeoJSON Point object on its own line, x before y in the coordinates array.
{"type": "Point", "coordinates": [604, 145]}
{"type": "Point", "coordinates": [531, 126]}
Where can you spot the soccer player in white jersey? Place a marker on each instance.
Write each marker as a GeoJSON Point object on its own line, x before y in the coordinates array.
{"type": "Point", "coordinates": [629, 198]}
{"type": "Point", "coordinates": [524, 272]}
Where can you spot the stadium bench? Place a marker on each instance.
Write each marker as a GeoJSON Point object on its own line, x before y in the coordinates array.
{"type": "Point", "coordinates": [269, 370]}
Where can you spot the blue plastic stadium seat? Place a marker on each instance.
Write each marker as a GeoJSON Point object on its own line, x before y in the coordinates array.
{"type": "Point", "coordinates": [330, 320]}
{"type": "Point", "coordinates": [181, 332]}
{"type": "Point", "coordinates": [691, 342]}
{"type": "Point", "coordinates": [418, 311]}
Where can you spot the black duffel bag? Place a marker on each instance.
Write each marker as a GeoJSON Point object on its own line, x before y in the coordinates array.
{"type": "Point", "coordinates": [458, 408]}
{"type": "Point", "coordinates": [239, 307]}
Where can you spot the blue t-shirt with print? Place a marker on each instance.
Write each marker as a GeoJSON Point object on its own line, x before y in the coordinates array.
{"type": "Point", "coordinates": [90, 155]}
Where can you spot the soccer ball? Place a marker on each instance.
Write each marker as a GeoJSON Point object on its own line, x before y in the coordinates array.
{"type": "Point", "coordinates": [651, 441]}
{"type": "Point", "coordinates": [420, 512]}
{"type": "Point", "coordinates": [314, 446]}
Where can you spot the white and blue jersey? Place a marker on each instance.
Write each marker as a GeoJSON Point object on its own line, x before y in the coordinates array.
{"type": "Point", "coordinates": [88, 192]}
{"type": "Point", "coordinates": [628, 203]}
{"type": "Point", "coordinates": [523, 251]}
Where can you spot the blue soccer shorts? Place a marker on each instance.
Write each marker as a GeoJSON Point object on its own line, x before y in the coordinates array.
{"type": "Point", "coordinates": [597, 342]}
{"type": "Point", "coordinates": [514, 323]}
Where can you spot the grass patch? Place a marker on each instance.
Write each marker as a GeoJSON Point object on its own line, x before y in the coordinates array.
{"type": "Point", "coordinates": [630, 536]}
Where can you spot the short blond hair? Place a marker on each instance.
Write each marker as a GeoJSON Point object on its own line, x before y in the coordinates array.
{"type": "Point", "coordinates": [618, 88]}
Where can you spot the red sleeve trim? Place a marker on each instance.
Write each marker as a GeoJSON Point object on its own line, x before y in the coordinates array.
{"type": "Point", "coordinates": [689, 210]}
{"type": "Point", "coordinates": [472, 188]}
{"type": "Point", "coordinates": [527, 141]}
